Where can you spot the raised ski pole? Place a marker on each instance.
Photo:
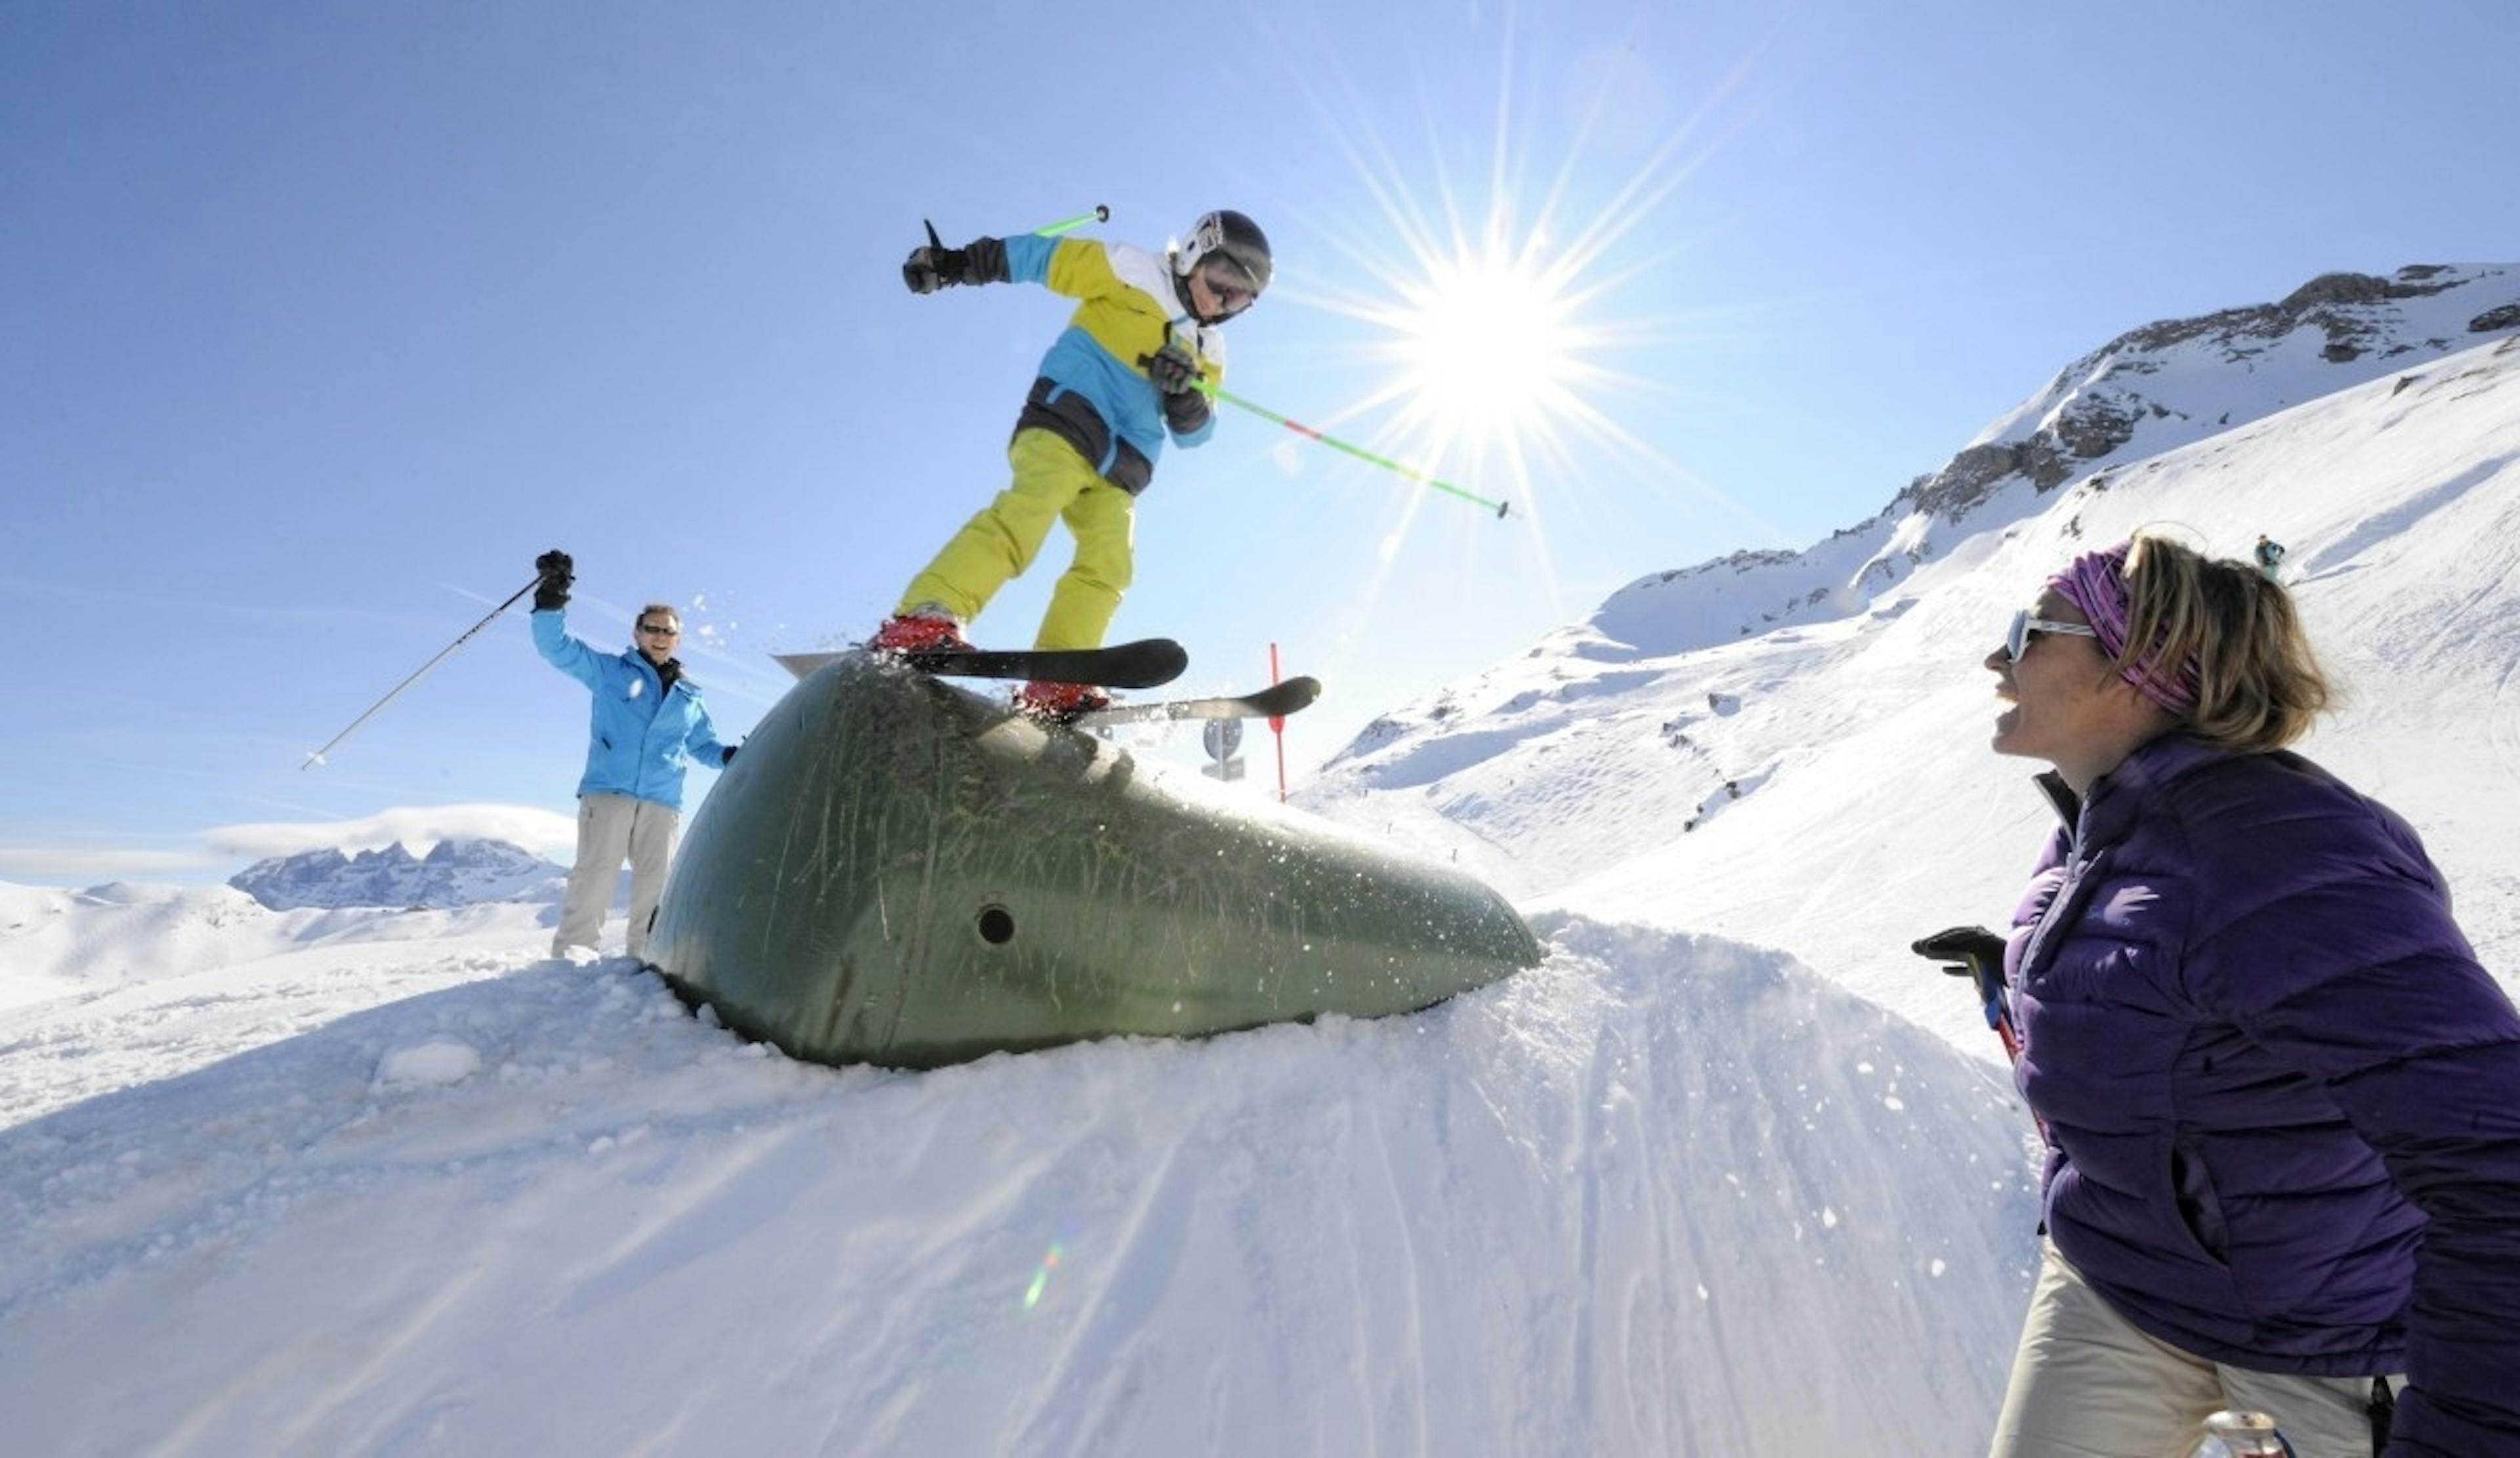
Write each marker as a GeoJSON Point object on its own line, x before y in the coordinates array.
{"type": "Point", "coordinates": [317, 758]}
{"type": "Point", "coordinates": [1501, 508]}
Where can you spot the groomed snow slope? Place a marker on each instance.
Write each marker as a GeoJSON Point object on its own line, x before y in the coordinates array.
{"type": "Point", "coordinates": [1662, 1195]}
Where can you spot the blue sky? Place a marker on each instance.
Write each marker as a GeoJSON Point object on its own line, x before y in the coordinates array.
{"type": "Point", "coordinates": [321, 321]}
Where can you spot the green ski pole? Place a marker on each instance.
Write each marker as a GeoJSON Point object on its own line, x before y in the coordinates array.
{"type": "Point", "coordinates": [1102, 213]}
{"type": "Point", "coordinates": [1501, 508]}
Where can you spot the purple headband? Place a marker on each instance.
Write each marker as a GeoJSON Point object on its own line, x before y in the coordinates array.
{"type": "Point", "coordinates": [2096, 583]}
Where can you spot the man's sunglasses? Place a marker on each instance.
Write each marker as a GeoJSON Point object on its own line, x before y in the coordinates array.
{"type": "Point", "coordinates": [669, 630]}
{"type": "Point", "coordinates": [2016, 638]}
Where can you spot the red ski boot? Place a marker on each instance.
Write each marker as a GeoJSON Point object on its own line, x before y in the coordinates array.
{"type": "Point", "coordinates": [925, 628]}
{"type": "Point", "coordinates": [1059, 703]}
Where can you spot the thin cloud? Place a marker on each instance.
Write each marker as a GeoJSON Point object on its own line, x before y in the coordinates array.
{"type": "Point", "coordinates": [418, 828]}
{"type": "Point", "coordinates": [84, 865]}
{"type": "Point", "coordinates": [260, 614]}
{"type": "Point", "coordinates": [223, 850]}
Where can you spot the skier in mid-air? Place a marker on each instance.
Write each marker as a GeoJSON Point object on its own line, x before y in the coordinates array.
{"type": "Point", "coordinates": [1133, 366]}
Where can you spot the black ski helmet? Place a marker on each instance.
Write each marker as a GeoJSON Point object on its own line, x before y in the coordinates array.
{"type": "Point", "coordinates": [1230, 235]}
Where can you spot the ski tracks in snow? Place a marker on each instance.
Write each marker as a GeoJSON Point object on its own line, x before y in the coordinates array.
{"type": "Point", "coordinates": [1542, 1217]}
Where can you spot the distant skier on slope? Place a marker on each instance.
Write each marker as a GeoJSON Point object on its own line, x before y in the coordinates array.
{"type": "Point", "coordinates": [2280, 1098]}
{"type": "Point", "coordinates": [2269, 557]}
{"type": "Point", "coordinates": [648, 725]}
{"type": "Point", "coordinates": [1125, 374]}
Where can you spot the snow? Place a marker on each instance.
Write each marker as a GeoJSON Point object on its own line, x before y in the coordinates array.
{"type": "Point", "coordinates": [1731, 1172]}
{"type": "Point", "coordinates": [439, 1061]}
{"type": "Point", "coordinates": [1513, 1223]}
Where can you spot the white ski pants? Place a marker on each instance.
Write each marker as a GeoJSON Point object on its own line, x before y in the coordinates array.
{"type": "Point", "coordinates": [2087, 1382]}
{"type": "Point", "coordinates": [610, 827]}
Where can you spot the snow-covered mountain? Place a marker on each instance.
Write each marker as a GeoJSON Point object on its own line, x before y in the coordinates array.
{"type": "Point", "coordinates": [1821, 783]}
{"type": "Point", "coordinates": [118, 938]}
{"type": "Point", "coordinates": [2149, 391]}
{"type": "Point", "coordinates": [454, 873]}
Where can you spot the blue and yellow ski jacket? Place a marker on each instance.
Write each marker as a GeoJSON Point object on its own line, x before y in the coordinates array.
{"type": "Point", "coordinates": [643, 733]}
{"type": "Point", "coordinates": [1093, 390]}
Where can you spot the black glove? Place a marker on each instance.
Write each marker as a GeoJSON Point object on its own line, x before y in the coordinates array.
{"type": "Point", "coordinates": [727, 758]}
{"type": "Point", "coordinates": [929, 269]}
{"type": "Point", "coordinates": [934, 266]}
{"type": "Point", "coordinates": [1185, 412]}
{"type": "Point", "coordinates": [1171, 369]}
{"type": "Point", "coordinates": [557, 572]}
{"type": "Point", "coordinates": [1972, 952]}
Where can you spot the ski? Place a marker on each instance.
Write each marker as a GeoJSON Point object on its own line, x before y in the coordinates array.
{"type": "Point", "coordinates": [1149, 663]}
{"type": "Point", "coordinates": [1269, 703]}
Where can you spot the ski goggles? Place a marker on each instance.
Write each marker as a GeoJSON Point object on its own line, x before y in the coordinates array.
{"type": "Point", "coordinates": [1229, 283]}
{"type": "Point", "coordinates": [2016, 638]}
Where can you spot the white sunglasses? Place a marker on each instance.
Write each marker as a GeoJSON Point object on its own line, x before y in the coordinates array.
{"type": "Point", "coordinates": [2016, 638]}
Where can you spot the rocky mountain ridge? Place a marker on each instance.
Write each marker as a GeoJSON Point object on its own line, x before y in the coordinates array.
{"type": "Point", "coordinates": [454, 873]}
{"type": "Point", "coordinates": [2150, 389]}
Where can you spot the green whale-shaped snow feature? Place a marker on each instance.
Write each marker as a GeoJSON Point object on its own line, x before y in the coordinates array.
{"type": "Point", "coordinates": [897, 871]}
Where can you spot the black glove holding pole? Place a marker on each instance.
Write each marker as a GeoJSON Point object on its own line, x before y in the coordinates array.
{"type": "Point", "coordinates": [1173, 372]}
{"type": "Point", "coordinates": [934, 266]}
{"type": "Point", "coordinates": [557, 572]}
{"type": "Point", "coordinates": [1972, 952]}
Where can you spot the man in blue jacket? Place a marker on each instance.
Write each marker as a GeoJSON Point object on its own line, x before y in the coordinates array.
{"type": "Point", "coordinates": [648, 726]}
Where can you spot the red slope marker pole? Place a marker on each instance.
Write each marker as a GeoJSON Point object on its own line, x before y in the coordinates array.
{"type": "Point", "coordinates": [1278, 727]}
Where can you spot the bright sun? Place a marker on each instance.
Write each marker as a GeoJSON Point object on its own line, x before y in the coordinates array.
{"type": "Point", "coordinates": [1486, 345]}
{"type": "Point", "coordinates": [1499, 323]}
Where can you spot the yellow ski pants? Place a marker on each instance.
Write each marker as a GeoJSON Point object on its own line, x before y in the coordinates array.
{"type": "Point", "coordinates": [1051, 484]}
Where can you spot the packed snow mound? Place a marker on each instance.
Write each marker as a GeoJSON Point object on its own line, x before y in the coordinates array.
{"type": "Point", "coordinates": [1612, 1206]}
{"type": "Point", "coordinates": [55, 941]}
{"type": "Point", "coordinates": [2148, 390]}
{"type": "Point", "coordinates": [454, 873]}
{"type": "Point", "coordinates": [1827, 788]}
{"type": "Point", "coordinates": [121, 937]}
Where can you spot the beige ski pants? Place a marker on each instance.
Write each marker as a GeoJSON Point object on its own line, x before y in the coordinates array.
{"type": "Point", "coordinates": [610, 827]}
{"type": "Point", "coordinates": [2087, 1383]}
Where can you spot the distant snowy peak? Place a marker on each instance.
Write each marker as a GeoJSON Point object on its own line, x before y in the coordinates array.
{"type": "Point", "coordinates": [2178, 381]}
{"type": "Point", "coordinates": [455, 873]}
{"type": "Point", "coordinates": [2148, 390]}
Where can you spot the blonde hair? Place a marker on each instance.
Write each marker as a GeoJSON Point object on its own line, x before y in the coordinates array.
{"type": "Point", "coordinates": [2259, 685]}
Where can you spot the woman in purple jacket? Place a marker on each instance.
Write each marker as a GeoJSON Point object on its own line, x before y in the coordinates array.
{"type": "Point", "coordinates": [2281, 1099]}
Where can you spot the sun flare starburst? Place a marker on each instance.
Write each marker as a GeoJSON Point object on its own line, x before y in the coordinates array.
{"type": "Point", "coordinates": [1500, 339]}
{"type": "Point", "coordinates": [1499, 336]}
{"type": "Point", "coordinates": [1487, 345]}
